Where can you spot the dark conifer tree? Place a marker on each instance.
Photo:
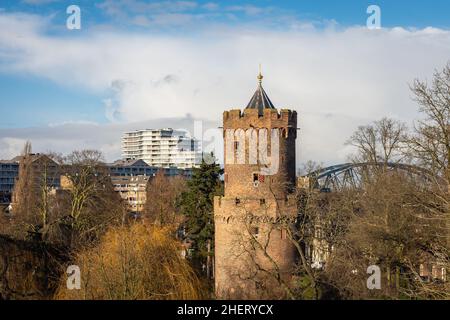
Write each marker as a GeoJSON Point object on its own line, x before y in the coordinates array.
{"type": "Point", "coordinates": [197, 205]}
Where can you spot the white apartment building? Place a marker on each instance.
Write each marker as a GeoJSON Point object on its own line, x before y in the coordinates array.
{"type": "Point", "coordinates": [162, 148]}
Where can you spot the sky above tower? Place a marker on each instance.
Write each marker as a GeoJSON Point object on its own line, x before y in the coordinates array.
{"type": "Point", "coordinates": [136, 64]}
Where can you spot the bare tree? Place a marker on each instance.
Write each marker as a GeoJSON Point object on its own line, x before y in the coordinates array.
{"type": "Point", "coordinates": [393, 227]}
{"type": "Point", "coordinates": [430, 145]}
{"type": "Point", "coordinates": [162, 195]}
{"type": "Point", "coordinates": [380, 142]}
{"type": "Point", "coordinates": [134, 262]}
{"type": "Point", "coordinates": [89, 201]}
{"type": "Point", "coordinates": [34, 194]}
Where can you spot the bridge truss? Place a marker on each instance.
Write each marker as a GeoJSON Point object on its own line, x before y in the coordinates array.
{"type": "Point", "coordinates": [351, 175]}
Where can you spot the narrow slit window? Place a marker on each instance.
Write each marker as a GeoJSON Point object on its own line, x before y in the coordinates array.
{"type": "Point", "coordinates": [254, 231]}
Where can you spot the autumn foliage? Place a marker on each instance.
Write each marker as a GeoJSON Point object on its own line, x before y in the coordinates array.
{"type": "Point", "coordinates": [134, 262]}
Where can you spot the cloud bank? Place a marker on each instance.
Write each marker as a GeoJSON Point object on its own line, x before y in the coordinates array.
{"type": "Point", "coordinates": [336, 78]}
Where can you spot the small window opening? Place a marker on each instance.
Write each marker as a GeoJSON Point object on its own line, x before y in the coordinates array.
{"type": "Point", "coordinates": [254, 231]}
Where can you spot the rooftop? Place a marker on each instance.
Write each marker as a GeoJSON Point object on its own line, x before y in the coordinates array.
{"type": "Point", "coordinates": [260, 99]}
{"type": "Point", "coordinates": [129, 162]}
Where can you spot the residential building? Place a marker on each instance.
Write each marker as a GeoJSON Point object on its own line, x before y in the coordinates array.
{"type": "Point", "coordinates": [131, 167]}
{"type": "Point", "coordinates": [35, 172]}
{"type": "Point", "coordinates": [132, 189]}
{"type": "Point", "coordinates": [9, 171]}
{"type": "Point", "coordinates": [433, 271]}
{"type": "Point", "coordinates": [163, 148]}
{"type": "Point", "coordinates": [135, 167]}
{"type": "Point", "coordinates": [40, 167]}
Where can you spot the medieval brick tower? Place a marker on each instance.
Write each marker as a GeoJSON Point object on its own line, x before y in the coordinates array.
{"type": "Point", "coordinates": [254, 256]}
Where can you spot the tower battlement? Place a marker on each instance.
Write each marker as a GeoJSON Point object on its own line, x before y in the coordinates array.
{"type": "Point", "coordinates": [252, 117]}
{"type": "Point", "coordinates": [258, 204]}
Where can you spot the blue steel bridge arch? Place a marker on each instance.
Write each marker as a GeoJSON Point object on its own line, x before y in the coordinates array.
{"type": "Point", "coordinates": [338, 176]}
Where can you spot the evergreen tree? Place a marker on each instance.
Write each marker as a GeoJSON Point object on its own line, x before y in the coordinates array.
{"type": "Point", "coordinates": [197, 205]}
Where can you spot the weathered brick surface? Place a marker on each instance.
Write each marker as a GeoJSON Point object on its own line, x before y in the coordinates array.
{"type": "Point", "coordinates": [269, 207]}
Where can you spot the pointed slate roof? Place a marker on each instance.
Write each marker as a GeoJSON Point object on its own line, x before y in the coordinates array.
{"type": "Point", "coordinates": [260, 100]}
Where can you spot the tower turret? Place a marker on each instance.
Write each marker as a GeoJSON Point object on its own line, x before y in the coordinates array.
{"type": "Point", "coordinates": [252, 218]}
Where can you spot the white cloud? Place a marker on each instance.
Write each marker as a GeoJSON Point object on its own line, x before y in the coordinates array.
{"type": "Point", "coordinates": [336, 78]}
{"type": "Point", "coordinates": [113, 6]}
{"type": "Point", "coordinates": [69, 136]}
{"type": "Point", "coordinates": [141, 20]}
{"type": "Point", "coordinates": [38, 2]}
{"type": "Point", "coordinates": [211, 6]}
{"type": "Point", "coordinates": [11, 147]}
{"type": "Point", "coordinates": [148, 13]}
{"type": "Point", "coordinates": [248, 9]}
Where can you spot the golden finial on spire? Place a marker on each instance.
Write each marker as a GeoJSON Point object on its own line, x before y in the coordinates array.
{"type": "Point", "coordinates": [260, 76]}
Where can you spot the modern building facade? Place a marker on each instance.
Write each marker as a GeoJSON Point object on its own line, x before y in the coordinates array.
{"type": "Point", "coordinates": [130, 179]}
{"type": "Point", "coordinates": [133, 190]}
{"type": "Point", "coordinates": [41, 168]}
{"type": "Point", "coordinates": [163, 148]}
{"type": "Point", "coordinates": [131, 168]}
{"type": "Point", "coordinates": [258, 208]}
{"type": "Point", "coordinates": [9, 171]}
{"type": "Point", "coordinates": [141, 168]}
{"type": "Point", "coordinates": [36, 172]}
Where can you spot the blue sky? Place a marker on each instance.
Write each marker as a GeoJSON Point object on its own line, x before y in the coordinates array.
{"type": "Point", "coordinates": [406, 13]}
{"type": "Point", "coordinates": [395, 13]}
{"type": "Point", "coordinates": [136, 60]}
{"type": "Point", "coordinates": [58, 104]}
